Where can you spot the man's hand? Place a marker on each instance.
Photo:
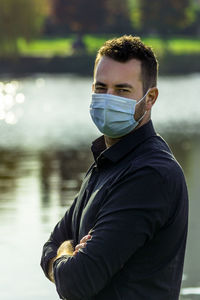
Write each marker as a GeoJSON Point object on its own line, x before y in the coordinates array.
{"type": "Point", "coordinates": [66, 248]}
{"type": "Point", "coordinates": [82, 244]}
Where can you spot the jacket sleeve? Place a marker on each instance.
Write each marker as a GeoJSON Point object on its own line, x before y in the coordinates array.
{"type": "Point", "coordinates": [61, 233]}
{"type": "Point", "coordinates": [129, 216]}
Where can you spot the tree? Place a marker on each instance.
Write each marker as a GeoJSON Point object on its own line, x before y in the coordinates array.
{"type": "Point", "coordinates": [135, 13]}
{"type": "Point", "coordinates": [88, 16]}
{"type": "Point", "coordinates": [82, 16]}
{"type": "Point", "coordinates": [167, 16]}
{"type": "Point", "coordinates": [118, 16]}
{"type": "Point", "coordinates": [19, 19]}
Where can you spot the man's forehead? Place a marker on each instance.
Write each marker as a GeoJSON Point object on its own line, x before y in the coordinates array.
{"type": "Point", "coordinates": [108, 67]}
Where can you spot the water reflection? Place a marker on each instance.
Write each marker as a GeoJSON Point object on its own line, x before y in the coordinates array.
{"type": "Point", "coordinates": [62, 171]}
{"type": "Point", "coordinates": [44, 156]}
{"type": "Point", "coordinates": [8, 171]}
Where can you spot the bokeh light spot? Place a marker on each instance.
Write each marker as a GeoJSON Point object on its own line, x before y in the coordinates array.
{"type": "Point", "coordinates": [20, 98]}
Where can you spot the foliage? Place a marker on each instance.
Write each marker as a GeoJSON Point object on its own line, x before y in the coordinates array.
{"type": "Point", "coordinates": [135, 13]}
{"type": "Point", "coordinates": [166, 16]}
{"type": "Point", "coordinates": [118, 16]}
{"type": "Point", "coordinates": [81, 16]}
{"type": "Point", "coordinates": [88, 16]}
{"type": "Point", "coordinates": [19, 19]}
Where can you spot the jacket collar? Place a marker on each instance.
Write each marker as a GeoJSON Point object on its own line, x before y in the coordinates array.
{"type": "Point", "coordinates": [124, 146]}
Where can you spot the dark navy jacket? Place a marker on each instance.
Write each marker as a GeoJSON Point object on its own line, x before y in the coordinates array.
{"type": "Point", "coordinates": [134, 199]}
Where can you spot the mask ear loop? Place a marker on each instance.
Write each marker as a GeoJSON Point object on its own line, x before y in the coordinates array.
{"type": "Point", "coordinates": [143, 97]}
{"type": "Point", "coordinates": [142, 117]}
{"type": "Point", "coordinates": [145, 110]}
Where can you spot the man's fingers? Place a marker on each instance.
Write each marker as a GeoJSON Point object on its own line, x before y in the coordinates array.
{"type": "Point", "coordinates": [75, 252]}
{"type": "Point", "coordinates": [82, 244]}
{"type": "Point", "coordinates": [85, 238]}
{"type": "Point", "coordinates": [79, 246]}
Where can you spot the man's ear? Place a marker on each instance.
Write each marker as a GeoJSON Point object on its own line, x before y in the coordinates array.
{"type": "Point", "coordinates": [93, 87]}
{"type": "Point", "coordinates": [151, 98]}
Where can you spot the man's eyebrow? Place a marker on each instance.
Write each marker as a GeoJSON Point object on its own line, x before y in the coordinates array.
{"type": "Point", "coordinates": [99, 83]}
{"type": "Point", "coordinates": [120, 85]}
{"type": "Point", "coordinates": [124, 85]}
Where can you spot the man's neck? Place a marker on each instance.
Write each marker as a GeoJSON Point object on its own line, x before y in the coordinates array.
{"type": "Point", "coordinates": [110, 141]}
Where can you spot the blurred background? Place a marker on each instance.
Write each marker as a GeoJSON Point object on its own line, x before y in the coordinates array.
{"type": "Point", "coordinates": [47, 50]}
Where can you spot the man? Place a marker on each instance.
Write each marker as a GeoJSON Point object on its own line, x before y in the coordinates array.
{"type": "Point", "coordinates": [124, 236]}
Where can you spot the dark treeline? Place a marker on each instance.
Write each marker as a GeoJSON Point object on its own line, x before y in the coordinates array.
{"type": "Point", "coordinates": [162, 18]}
{"type": "Point", "coordinates": [88, 16]}
{"type": "Point", "coordinates": [22, 21]}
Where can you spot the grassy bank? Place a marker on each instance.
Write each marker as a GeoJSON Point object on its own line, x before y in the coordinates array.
{"type": "Point", "coordinates": [170, 64]}
{"type": "Point", "coordinates": [176, 56]}
{"type": "Point", "coordinates": [63, 46]}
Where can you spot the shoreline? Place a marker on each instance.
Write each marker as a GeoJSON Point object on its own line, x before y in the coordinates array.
{"type": "Point", "coordinates": [169, 64]}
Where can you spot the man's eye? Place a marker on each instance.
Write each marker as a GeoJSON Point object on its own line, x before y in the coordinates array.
{"type": "Point", "coordinates": [100, 89]}
{"type": "Point", "coordinates": [123, 91]}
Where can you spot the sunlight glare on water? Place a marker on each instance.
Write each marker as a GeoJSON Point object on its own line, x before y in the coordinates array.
{"type": "Point", "coordinates": [10, 112]}
{"type": "Point", "coordinates": [55, 110]}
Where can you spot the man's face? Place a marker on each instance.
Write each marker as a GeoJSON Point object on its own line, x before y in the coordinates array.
{"type": "Point", "coordinates": [118, 78]}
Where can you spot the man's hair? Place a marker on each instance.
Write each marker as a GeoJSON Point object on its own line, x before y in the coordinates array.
{"type": "Point", "coordinates": [124, 48]}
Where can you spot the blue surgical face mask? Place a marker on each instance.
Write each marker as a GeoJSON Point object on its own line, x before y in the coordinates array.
{"type": "Point", "coordinates": [114, 115]}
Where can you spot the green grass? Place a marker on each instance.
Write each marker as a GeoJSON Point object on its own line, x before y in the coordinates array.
{"type": "Point", "coordinates": [93, 43]}
{"type": "Point", "coordinates": [174, 45]}
{"type": "Point", "coordinates": [184, 46]}
{"type": "Point", "coordinates": [46, 47]}
{"type": "Point", "coordinates": [62, 46]}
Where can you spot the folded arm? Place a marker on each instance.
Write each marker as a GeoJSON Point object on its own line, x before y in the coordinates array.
{"type": "Point", "coordinates": [126, 220]}
{"type": "Point", "coordinates": [61, 233]}
{"type": "Point", "coordinates": [67, 249]}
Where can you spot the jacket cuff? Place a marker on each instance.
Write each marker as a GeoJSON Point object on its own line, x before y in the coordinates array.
{"type": "Point", "coordinates": [45, 262]}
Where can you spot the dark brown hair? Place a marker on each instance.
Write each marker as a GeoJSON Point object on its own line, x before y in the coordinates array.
{"type": "Point", "coordinates": [125, 48]}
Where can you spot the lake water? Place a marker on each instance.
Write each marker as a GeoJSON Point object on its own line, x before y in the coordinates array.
{"type": "Point", "coordinates": [46, 132]}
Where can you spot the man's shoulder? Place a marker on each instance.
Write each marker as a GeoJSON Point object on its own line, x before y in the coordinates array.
{"type": "Point", "coordinates": [157, 155]}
